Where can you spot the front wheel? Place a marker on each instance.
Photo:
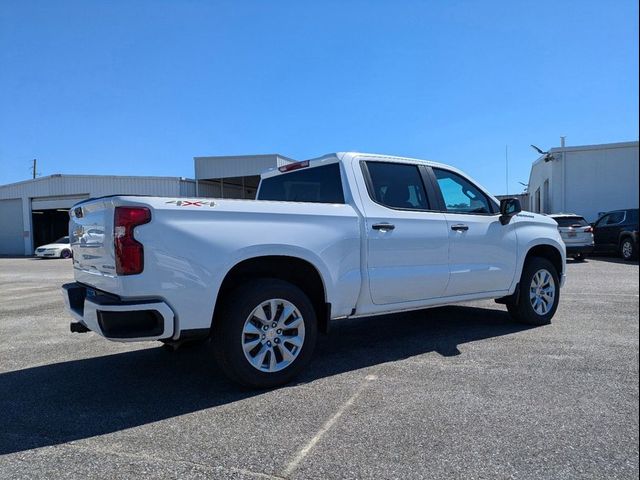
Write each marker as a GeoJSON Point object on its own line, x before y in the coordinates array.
{"type": "Point", "coordinates": [539, 294]}
{"type": "Point", "coordinates": [265, 333]}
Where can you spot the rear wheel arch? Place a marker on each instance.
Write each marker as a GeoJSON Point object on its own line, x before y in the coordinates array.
{"type": "Point", "coordinates": [624, 236]}
{"type": "Point", "coordinates": [299, 272]}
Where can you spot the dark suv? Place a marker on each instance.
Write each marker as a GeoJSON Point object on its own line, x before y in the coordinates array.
{"type": "Point", "coordinates": [617, 231]}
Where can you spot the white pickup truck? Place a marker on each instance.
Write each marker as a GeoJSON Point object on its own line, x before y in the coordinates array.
{"type": "Point", "coordinates": [341, 236]}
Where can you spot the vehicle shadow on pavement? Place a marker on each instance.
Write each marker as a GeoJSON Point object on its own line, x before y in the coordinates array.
{"type": "Point", "coordinates": [61, 402]}
{"type": "Point", "coordinates": [609, 259]}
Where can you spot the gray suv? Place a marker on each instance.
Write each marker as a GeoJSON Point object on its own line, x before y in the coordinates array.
{"type": "Point", "coordinates": [576, 234]}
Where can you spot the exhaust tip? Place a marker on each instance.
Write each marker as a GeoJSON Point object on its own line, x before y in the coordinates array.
{"type": "Point", "coordinates": [77, 327]}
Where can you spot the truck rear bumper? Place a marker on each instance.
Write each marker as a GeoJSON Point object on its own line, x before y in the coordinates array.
{"type": "Point", "coordinates": [117, 319]}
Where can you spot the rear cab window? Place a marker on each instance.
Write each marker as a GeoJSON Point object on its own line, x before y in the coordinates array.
{"type": "Point", "coordinates": [321, 184]}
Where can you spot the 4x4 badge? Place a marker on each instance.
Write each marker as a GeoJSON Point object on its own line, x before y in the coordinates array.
{"type": "Point", "coordinates": [189, 203]}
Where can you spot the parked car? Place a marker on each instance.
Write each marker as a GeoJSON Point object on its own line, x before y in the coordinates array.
{"type": "Point", "coordinates": [58, 249]}
{"type": "Point", "coordinates": [576, 234]}
{"type": "Point", "coordinates": [617, 231]}
{"type": "Point", "coordinates": [346, 235]}
{"type": "Point", "coordinates": [92, 235]}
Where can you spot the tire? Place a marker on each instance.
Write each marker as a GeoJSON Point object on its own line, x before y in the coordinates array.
{"type": "Point", "coordinates": [65, 254]}
{"type": "Point", "coordinates": [628, 250]}
{"type": "Point", "coordinates": [580, 257]}
{"type": "Point", "coordinates": [238, 325]}
{"type": "Point", "coordinates": [522, 310]}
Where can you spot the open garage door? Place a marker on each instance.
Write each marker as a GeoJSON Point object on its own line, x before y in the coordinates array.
{"type": "Point", "coordinates": [11, 227]}
{"type": "Point", "coordinates": [50, 218]}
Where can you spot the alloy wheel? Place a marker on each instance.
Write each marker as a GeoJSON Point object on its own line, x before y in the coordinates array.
{"type": "Point", "coordinates": [542, 292]}
{"type": "Point", "coordinates": [273, 335]}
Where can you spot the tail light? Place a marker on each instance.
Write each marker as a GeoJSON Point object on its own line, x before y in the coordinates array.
{"type": "Point", "coordinates": [129, 252]}
{"type": "Point", "coordinates": [588, 230]}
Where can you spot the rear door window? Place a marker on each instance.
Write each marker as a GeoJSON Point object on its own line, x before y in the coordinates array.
{"type": "Point", "coordinates": [396, 185]}
{"type": "Point", "coordinates": [632, 216]}
{"type": "Point", "coordinates": [316, 185]}
{"type": "Point", "coordinates": [615, 218]}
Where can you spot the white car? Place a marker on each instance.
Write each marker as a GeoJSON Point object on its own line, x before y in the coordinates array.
{"type": "Point", "coordinates": [342, 236]}
{"type": "Point", "coordinates": [576, 234]}
{"type": "Point", "coordinates": [92, 235]}
{"type": "Point", "coordinates": [58, 249]}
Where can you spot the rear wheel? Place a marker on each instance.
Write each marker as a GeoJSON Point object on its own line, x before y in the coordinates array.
{"type": "Point", "coordinates": [265, 333]}
{"type": "Point", "coordinates": [65, 253]}
{"type": "Point", "coordinates": [539, 293]}
{"type": "Point", "coordinates": [628, 249]}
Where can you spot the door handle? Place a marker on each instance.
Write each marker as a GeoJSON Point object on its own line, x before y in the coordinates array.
{"type": "Point", "coordinates": [459, 227]}
{"type": "Point", "coordinates": [383, 226]}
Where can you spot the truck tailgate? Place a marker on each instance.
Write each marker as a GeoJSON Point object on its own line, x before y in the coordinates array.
{"type": "Point", "coordinates": [91, 238]}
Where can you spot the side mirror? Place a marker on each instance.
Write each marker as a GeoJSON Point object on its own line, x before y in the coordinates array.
{"type": "Point", "coordinates": [508, 208]}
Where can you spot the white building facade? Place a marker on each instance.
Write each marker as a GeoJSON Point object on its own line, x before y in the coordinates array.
{"type": "Point", "coordinates": [586, 180]}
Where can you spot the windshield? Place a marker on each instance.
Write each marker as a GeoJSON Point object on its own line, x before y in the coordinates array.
{"type": "Point", "coordinates": [62, 240]}
{"type": "Point", "coordinates": [571, 221]}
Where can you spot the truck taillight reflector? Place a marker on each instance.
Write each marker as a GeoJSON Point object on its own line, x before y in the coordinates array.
{"type": "Point", "coordinates": [129, 252]}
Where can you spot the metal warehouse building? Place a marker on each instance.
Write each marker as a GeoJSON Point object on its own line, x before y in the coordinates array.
{"type": "Point", "coordinates": [35, 212]}
{"type": "Point", "coordinates": [234, 177]}
{"type": "Point", "coordinates": [586, 180]}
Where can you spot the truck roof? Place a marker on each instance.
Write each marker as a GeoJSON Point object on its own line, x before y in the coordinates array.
{"type": "Point", "coordinates": [350, 156]}
{"type": "Point", "coordinates": [389, 158]}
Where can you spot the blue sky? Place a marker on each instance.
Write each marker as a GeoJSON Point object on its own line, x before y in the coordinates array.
{"type": "Point", "coordinates": [140, 88]}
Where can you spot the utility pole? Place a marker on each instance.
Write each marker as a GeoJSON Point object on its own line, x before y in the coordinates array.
{"type": "Point", "coordinates": [35, 161]}
{"type": "Point", "coordinates": [506, 162]}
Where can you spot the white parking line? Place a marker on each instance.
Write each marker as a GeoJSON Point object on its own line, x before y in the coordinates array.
{"type": "Point", "coordinates": [293, 464]}
{"type": "Point", "coordinates": [216, 471]}
{"type": "Point", "coordinates": [602, 294]}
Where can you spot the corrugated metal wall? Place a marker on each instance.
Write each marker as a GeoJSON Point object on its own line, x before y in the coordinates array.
{"type": "Point", "coordinates": [237, 166]}
{"type": "Point", "coordinates": [59, 191]}
{"type": "Point", "coordinates": [95, 186]}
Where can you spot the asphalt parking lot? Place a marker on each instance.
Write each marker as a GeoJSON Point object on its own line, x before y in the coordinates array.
{"type": "Point", "coordinates": [449, 392]}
